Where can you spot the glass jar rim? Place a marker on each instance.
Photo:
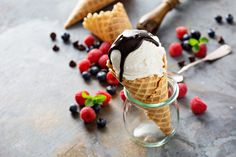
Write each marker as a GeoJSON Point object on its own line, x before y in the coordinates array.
{"type": "Point", "coordinates": [171, 82]}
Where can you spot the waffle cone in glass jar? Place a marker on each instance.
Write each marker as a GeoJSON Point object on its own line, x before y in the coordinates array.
{"type": "Point", "coordinates": [84, 7]}
{"type": "Point", "coordinates": [151, 90]}
{"type": "Point", "coordinates": [108, 25]}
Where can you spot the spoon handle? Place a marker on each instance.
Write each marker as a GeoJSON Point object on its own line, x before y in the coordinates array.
{"type": "Point", "coordinates": [186, 67]}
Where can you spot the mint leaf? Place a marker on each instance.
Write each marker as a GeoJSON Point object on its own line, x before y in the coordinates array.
{"type": "Point", "coordinates": [195, 48]}
{"type": "Point", "coordinates": [84, 95]}
{"type": "Point", "coordinates": [203, 40]}
{"type": "Point", "coordinates": [193, 41]}
{"type": "Point", "coordinates": [98, 99]}
{"type": "Point", "coordinates": [89, 102]}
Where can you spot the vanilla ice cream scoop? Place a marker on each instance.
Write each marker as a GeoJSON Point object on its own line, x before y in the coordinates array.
{"type": "Point", "coordinates": [137, 54]}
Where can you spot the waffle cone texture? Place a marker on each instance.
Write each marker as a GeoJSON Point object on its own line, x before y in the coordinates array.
{"type": "Point", "coordinates": [108, 25]}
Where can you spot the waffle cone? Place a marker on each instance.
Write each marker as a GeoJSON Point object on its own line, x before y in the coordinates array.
{"type": "Point", "coordinates": [151, 90]}
{"type": "Point", "coordinates": [84, 7]}
{"type": "Point", "coordinates": [108, 25]}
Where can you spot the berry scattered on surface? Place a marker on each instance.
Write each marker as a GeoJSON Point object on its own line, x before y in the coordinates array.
{"type": "Point", "coordinates": [186, 46]}
{"type": "Point", "coordinates": [186, 37]}
{"type": "Point", "coordinates": [202, 51]}
{"type": "Point", "coordinates": [89, 40]}
{"type": "Point", "coordinates": [111, 79]}
{"type": "Point", "coordinates": [73, 109]}
{"type": "Point", "coordinates": [96, 108]}
{"type": "Point", "coordinates": [220, 40]}
{"type": "Point", "coordinates": [122, 95]}
{"type": "Point", "coordinates": [72, 64]}
{"type": "Point", "coordinates": [94, 55]}
{"type": "Point", "coordinates": [230, 18]}
{"type": "Point", "coordinates": [195, 34]}
{"type": "Point", "coordinates": [76, 44]}
{"type": "Point", "coordinates": [87, 114]}
{"type": "Point", "coordinates": [111, 89]}
{"type": "Point", "coordinates": [191, 59]}
{"type": "Point", "coordinates": [211, 33]}
{"type": "Point", "coordinates": [55, 48]}
{"type": "Point", "coordinates": [182, 90]}
{"type": "Point", "coordinates": [81, 47]}
{"type": "Point", "coordinates": [101, 123]}
{"type": "Point", "coordinates": [218, 19]}
{"type": "Point", "coordinates": [101, 76]}
{"type": "Point", "coordinates": [84, 65]}
{"type": "Point", "coordinates": [108, 97]}
{"type": "Point", "coordinates": [86, 75]}
{"type": "Point", "coordinates": [79, 99]}
{"type": "Point", "coordinates": [181, 63]}
{"type": "Point", "coordinates": [66, 37]}
{"type": "Point", "coordinates": [197, 105]}
{"type": "Point", "coordinates": [102, 61]}
{"type": "Point", "coordinates": [175, 49]}
{"type": "Point", "coordinates": [94, 70]}
{"type": "Point", "coordinates": [181, 31]}
{"type": "Point", "coordinates": [53, 36]}
{"type": "Point", "coordinates": [105, 46]}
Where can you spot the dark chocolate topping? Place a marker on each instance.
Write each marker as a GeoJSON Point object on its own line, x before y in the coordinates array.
{"type": "Point", "coordinates": [127, 42]}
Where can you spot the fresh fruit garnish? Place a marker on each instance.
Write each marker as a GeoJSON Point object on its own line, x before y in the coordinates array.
{"type": "Point", "coordinates": [111, 79]}
{"type": "Point", "coordinates": [102, 61]}
{"type": "Point", "coordinates": [211, 33]}
{"type": "Point", "coordinates": [86, 75]}
{"type": "Point", "coordinates": [94, 55]}
{"type": "Point", "coordinates": [79, 98]}
{"type": "Point", "coordinates": [195, 34]}
{"type": "Point", "coordinates": [218, 19]}
{"type": "Point", "coordinates": [53, 36]}
{"type": "Point", "coordinates": [94, 70]}
{"type": "Point", "coordinates": [111, 89]}
{"type": "Point", "coordinates": [181, 31]}
{"type": "Point", "coordinates": [197, 105]}
{"type": "Point", "coordinates": [196, 44]}
{"type": "Point", "coordinates": [81, 47]}
{"type": "Point", "coordinates": [101, 123]}
{"type": "Point", "coordinates": [84, 65]}
{"type": "Point", "coordinates": [186, 46]}
{"type": "Point", "coordinates": [105, 46]}
{"type": "Point", "coordinates": [72, 64]}
{"type": "Point", "coordinates": [175, 49]}
{"type": "Point", "coordinates": [89, 40]}
{"type": "Point", "coordinates": [182, 90]}
{"type": "Point", "coordinates": [181, 63]}
{"type": "Point", "coordinates": [202, 51]}
{"type": "Point", "coordinates": [96, 108]}
{"type": "Point", "coordinates": [73, 109]}
{"type": "Point", "coordinates": [98, 99]}
{"type": "Point", "coordinates": [230, 18]}
{"type": "Point", "coordinates": [191, 59]}
{"type": "Point", "coordinates": [87, 114]}
{"type": "Point", "coordinates": [220, 40]}
{"type": "Point", "coordinates": [122, 95]}
{"type": "Point", "coordinates": [186, 37]}
{"type": "Point", "coordinates": [66, 37]}
{"type": "Point", "coordinates": [108, 97]}
{"type": "Point", "coordinates": [55, 48]}
{"type": "Point", "coordinates": [76, 44]}
{"type": "Point", "coordinates": [101, 76]}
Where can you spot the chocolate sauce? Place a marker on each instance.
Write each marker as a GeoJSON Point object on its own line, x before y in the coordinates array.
{"type": "Point", "coordinates": [129, 41]}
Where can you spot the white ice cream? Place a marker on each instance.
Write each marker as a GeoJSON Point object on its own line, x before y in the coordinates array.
{"type": "Point", "coordinates": [145, 61]}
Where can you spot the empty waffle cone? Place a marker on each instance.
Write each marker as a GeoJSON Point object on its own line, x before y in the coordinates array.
{"type": "Point", "coordinates": [84, 7]}
{"type": "Point", "coordinates": [151, 90]}
{"type": "Point", "coordinates": [108, 25]}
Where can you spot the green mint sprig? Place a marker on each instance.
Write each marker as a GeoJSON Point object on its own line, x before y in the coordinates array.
{"type": "Point", "coordinates": [195, 43]}
{"type": "Point", "coordinates": [92, 100]}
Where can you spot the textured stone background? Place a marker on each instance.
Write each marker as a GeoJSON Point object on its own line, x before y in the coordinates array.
{"type": "Point", "coordinates": [37, 86]}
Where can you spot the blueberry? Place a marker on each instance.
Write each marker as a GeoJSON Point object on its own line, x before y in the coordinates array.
{"type": "Point", "coordinates": [66, 37]}
{"type": "Point", "coordinates": [111, 89]}
{"type": "Point", "coordinates": [72, 64]}
{"type": "Point", "coordinates": [218, 19]}
{"type": "Point", "coordinates": [101, 123]}
{"type": "Point", "coordinates": [220, 40]}
{"type": "Point", "coordinates": [53, 36]}
{"type": "Point", "coordinates": [76, 44]}
{"type": "Point", "coordinates": [94, 70]}
{"type": "Point", "coordinates": [211, 33]}
{"type": "Point", "coordinates": [230, 18]}
{"type": "Point", "coordinates": [73, 108]}
{"type": "Point", "coordinates": [96, 108]}
{"type": "Point", "coordinates": [195, 34]}
{"type": "Point", "coordinates": [181, 63]}
{"type": "Point", "coordinates": [86, 75]}
{"type": "Point", "coordinates": [191, 59]}
{"type": "Point", "coordinates": [186, 46]}
{"type": "Point", "coordinates": [186, 37]}
{"type": "Point", "coordinates": [55, 48]}
{"type": "Point", "coordinates": [101, 76]}
{"type": "Point", "coordinates": [81, 47]}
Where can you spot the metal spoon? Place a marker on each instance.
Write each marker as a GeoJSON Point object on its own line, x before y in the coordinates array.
{"type": "Point", "coordinates": [218, 53]}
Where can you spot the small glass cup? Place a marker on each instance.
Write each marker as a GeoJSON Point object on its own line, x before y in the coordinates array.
{"type": "Point", "coordinates": [141, 128]}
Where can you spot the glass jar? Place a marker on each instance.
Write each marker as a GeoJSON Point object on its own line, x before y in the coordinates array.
{"type": "Point", "coordinates": [150, 131]}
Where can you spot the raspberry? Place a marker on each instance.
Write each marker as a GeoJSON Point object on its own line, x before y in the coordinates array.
{"type": "Point", "coordinates": [105, 46]}
{"type": "Point", "coordinates": [202, 51]}
{"type": "Point", "coordinates": [79, 99]}
{"type": "Point", "coordinates": [175, 49]}
{"type": "Point", "coordinates": [87, 114]}
{"type": "Point", "coordinates": [84, 65]}
{"type": "Point", "coordinates": [102, 61]}
{"type": "Point", "coordinates": [181, 31]}
{"type": "Point", "coordinates": [89, 40]}
{"type": "Point", "coordinates": [197, 105]}
{"type": "Point", "coordinates": [108, 97]}
{"type": "Point", "coordinates": [182, 90]}
{"type": "Point", "coordinates": [111, 79]}
{"type": "Point", "coordinates": [94, 55]}
{"type": "Point", "coordinates": [122, 95]}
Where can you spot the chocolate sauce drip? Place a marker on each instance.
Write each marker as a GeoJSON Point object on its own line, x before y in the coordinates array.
{"type": "Point", "coordinates": [127, 42]}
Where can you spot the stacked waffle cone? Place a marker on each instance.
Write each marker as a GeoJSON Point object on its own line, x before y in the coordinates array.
{"type": "Point", "coordinates": [151, 90]}
{"type": "Point", "coordinates": [84, 7]}
{"type": "Point", "coordinates": [108, 25]}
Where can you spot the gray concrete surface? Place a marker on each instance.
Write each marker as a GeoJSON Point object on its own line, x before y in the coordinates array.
{"type": "Point", "coordinates": [37, 86]}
